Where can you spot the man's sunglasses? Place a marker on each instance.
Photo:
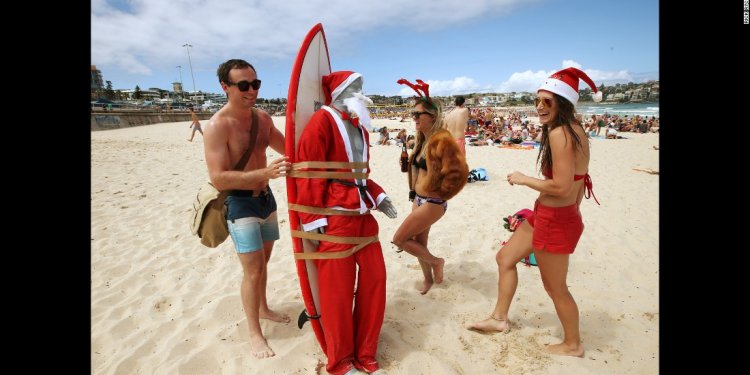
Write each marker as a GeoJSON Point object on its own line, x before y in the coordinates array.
{"type": "Point", "coordinates": [547, 102]}
{"type": "Point", "coordinates": [245, 85]}
{"type": "Point", "coordinates": [416, 114]}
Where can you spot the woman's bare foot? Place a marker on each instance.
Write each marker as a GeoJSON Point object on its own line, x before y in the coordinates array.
{"type": "Point", "coordinates": [260, 348]}
{"type": "Point", "coordinates": [274, 316]}
{"type": "Point", "coordinates": [490, 325]}
{"type": "Point", "coordinates": [426, 285]}
{"type": "Point", "coordinates": [565, 349]}
{"type": "Point", "coordinates": [437, 270]}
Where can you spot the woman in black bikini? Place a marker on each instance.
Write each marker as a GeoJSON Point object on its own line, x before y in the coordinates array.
{"type": "Point", "coordinates": [437, 172]}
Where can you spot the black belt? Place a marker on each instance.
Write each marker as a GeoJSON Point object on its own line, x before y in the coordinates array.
{"type": "Point", "coordinates": [250, 193]}
{"type": "Point", "coordinates": [362, 189]}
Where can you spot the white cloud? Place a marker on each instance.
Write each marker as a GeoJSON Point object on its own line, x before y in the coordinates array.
{"type": "Point", "coordinates": [529, 81]}
{"type": "Point", "coordinates": [526, 81]}
{"type": "Point", "coordinates": [600, 76]}
{"type": "Point", "coordinates": [151, 32]}
{"type": "Point", "coordinates": [570, 64]}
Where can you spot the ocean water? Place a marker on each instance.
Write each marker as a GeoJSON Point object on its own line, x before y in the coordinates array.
{"type": "Point", "coordinates": [630, 109]}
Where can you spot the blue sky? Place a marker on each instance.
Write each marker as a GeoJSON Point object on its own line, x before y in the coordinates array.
{"type": "Point", "coordinates": [457, 46]}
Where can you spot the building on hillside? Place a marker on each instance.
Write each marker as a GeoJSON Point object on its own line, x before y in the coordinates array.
{"type": "Point", "coordinates": [196, 97]}
{"type": "Point", "coordinates": [216, 98]}
{"type": "Point", "coordinates": [489, 101]}
{"type": "Point", "coordinates": [150, 94]}
{"type": "Point", "coordinates": [617, 97]}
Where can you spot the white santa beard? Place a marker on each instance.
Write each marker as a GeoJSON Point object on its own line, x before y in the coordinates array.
{"type": "Point", "coordinates": [359, 107]}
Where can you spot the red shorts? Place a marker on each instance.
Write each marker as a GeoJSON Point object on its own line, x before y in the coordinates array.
{"type": "Point", "coordinates": [556, 229]}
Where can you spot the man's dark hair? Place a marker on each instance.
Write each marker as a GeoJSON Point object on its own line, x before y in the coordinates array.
{"type": "Point", "coordinates": [460, 100]}
{"type": "Point", "coordinates": [224, 68]}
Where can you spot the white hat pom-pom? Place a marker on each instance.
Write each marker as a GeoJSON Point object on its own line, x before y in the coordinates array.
{"type": "Point", "coordinates": [597, 96]}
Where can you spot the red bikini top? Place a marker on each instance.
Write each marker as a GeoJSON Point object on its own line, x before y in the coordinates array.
{"type": "Point", "coordinates": [588, 189]}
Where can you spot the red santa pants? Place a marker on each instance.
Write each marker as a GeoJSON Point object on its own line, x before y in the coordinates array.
{"type": "Point", "coordinates": [351, 336]}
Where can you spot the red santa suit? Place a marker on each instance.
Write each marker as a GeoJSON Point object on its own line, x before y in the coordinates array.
{"type": "Point", "coordinates": [351, 337]}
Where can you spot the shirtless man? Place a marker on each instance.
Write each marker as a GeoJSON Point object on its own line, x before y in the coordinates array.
{"type": "Point", "coordinates": [456, 122]}
{"type": "Point", "coordinates": [196, 125]}
{"type": "Point", "coordinates": [251, 207]}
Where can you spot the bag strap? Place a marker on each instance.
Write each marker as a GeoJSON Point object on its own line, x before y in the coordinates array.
{"type": "Point", "coordinates": [253, 137]}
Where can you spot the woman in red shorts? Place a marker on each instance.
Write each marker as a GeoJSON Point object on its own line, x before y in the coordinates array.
{"type": "Point", "coordinates": [553, 231]}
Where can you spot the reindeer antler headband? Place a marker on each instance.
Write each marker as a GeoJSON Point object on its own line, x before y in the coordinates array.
{"type": "Point", "coordinates": [420, 88]}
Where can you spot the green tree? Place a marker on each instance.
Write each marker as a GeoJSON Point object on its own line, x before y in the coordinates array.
{"type": "Point", "coordinates": [108, 92]}
{"type": "Point", "coordinates": [137, 93]}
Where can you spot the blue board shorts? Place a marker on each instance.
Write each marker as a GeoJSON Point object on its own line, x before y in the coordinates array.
{"type": "Point", "coordinates": [251, 220]}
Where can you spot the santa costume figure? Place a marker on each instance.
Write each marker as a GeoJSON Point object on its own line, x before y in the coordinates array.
{"type": "Point", "coordinates": [338, 206]}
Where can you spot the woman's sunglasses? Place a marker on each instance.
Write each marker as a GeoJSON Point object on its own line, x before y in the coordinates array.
{"type": "Point", "coordinates": [416, 114]}
{"type": "Point", "coordinates": [547, 102]}
{"type": "Point", "coordinates": [245, 85]}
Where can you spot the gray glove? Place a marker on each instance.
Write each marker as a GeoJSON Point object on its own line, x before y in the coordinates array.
{"type": "Point", "coordinates": [321, 230]}
{"type": "Point", "coordinates": [386, 207]}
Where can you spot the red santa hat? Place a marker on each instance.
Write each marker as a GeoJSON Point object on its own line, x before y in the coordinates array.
{"type": "Point", "coordinates": [335, 83]}
{"type": "Point", "coordinates": [565, 84]}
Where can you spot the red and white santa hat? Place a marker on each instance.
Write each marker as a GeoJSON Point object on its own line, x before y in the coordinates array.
{"type": "Point", "coordinates": [565, 84]}
{"type": "Point", "coordinates": [335, 83]}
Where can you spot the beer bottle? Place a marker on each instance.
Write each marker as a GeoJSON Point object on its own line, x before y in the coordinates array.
{"type": "Point", "coordinates": [404, 159]}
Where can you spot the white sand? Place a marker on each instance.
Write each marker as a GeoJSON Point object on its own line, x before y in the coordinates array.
{"type": "Point", "coordinates": [164, 304]}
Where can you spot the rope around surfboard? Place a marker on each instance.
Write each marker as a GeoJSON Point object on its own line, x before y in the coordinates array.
{"type": "Point", "coordinates": [359, 242]}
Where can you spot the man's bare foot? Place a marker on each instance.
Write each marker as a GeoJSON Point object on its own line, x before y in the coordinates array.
{"type": "Point", "coordinates": [565, 349]}
{"type": "Point", "coordinates": [437, 270]}
{"type": "Point", "coordinates": [490, 325]}
{"type": "Point", "coordinates": [260, 347]}
{"type": "Point", "coordinates": [426, 285]}
{"type": "Point", "coordinates": [274, 316]}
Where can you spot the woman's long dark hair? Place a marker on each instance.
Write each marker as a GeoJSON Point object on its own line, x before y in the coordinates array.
{"type": "Point", "coordinates": [566, 117]}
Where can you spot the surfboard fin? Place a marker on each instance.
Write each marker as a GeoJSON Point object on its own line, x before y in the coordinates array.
{"type": "Point", "coordinates": [303, 318]}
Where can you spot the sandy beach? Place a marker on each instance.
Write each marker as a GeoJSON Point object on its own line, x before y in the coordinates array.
{"type": "Point", "coordinates": [164, 304]}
